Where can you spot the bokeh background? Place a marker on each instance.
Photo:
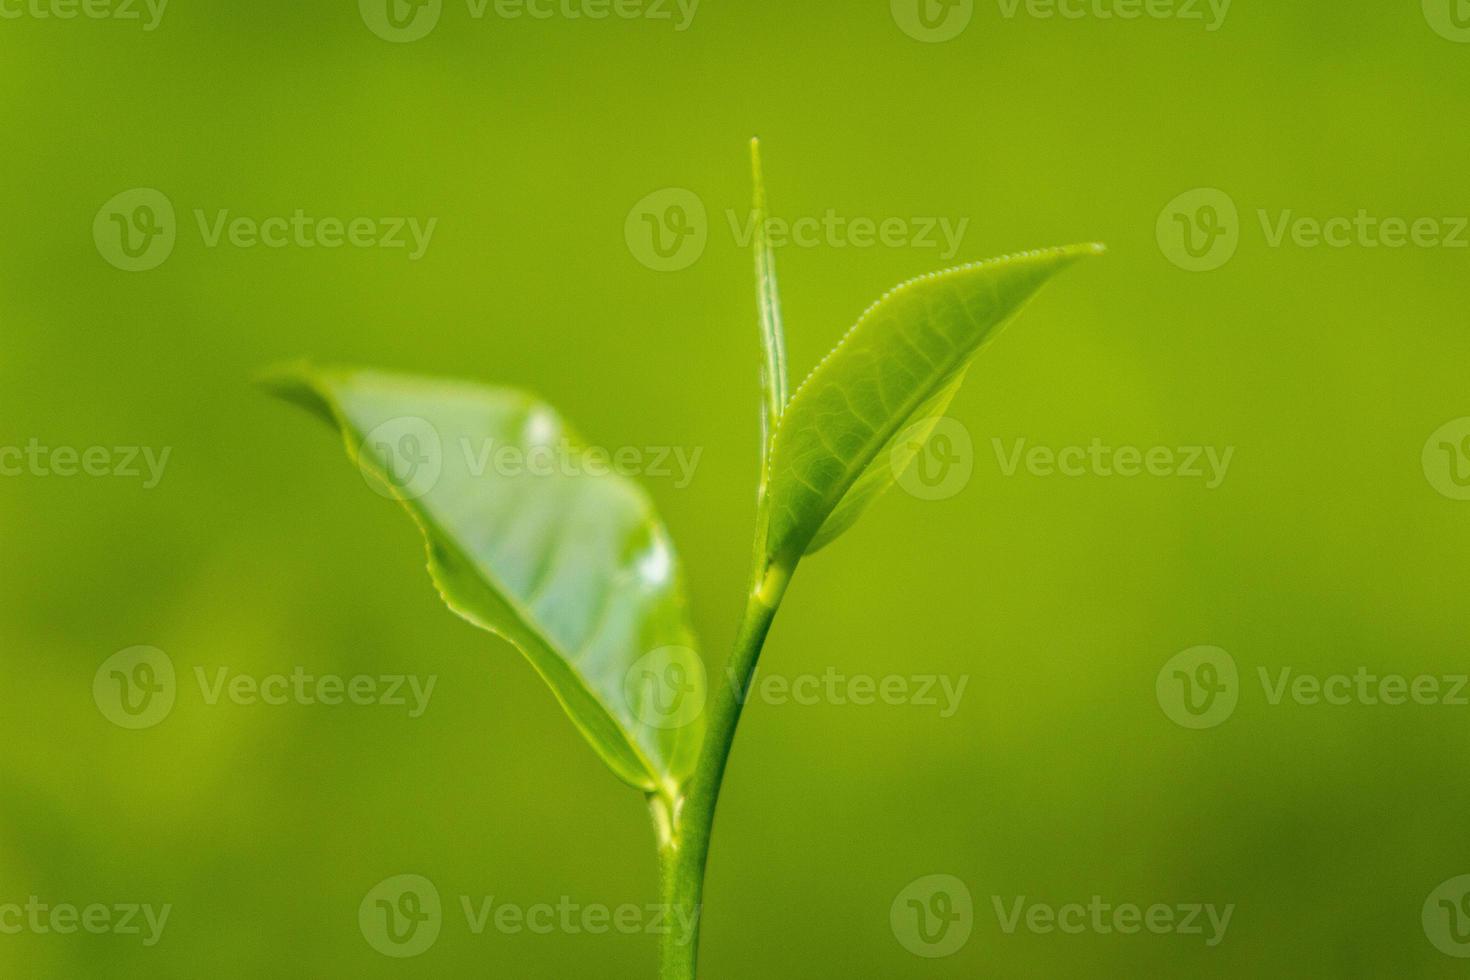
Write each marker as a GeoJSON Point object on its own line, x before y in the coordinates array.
{"type": "Point", "coordinates": [1327, 548]}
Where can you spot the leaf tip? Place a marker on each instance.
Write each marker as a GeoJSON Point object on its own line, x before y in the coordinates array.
{"type": "Point", "coordinates": [294, 382]}
{"type": "Point", "coordinates": [1070, 253]}
{"type": "Point", "coordinates": [284, 378]}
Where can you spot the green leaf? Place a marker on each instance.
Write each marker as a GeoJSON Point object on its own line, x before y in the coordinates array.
{"type": "Point", "coordinates": [768, 299]}
{"type": "Point", "coordinates": [773, 347]}
{"type": "Point", "coordinates": [572, 567]}
{"type": "Point", "coordinates": [860, 417]}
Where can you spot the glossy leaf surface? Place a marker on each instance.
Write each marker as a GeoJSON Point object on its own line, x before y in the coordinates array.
{"type": "Point", "coordinates": [532, 540]}
{"type": "Point", "coordinates": [856, 422]}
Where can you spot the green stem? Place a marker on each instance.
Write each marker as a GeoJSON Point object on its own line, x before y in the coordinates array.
{"type": "Point", "coordinates": [685, 825]}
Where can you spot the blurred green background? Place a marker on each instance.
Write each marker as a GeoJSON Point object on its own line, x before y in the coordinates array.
{"type": "Point", "coordinates": [1327, 548]}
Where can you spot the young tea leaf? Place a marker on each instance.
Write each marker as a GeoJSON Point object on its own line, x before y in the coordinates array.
{"type": "Point", "coordinates": [773, 344]}
{"type": "Point", "coordinates": [572, 568]}
{"type": "Point", "coordinates": [768, 299]}
{"type": "Point", "coordinates": [859, 418]}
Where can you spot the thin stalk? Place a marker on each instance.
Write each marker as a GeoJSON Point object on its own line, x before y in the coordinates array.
{"type": "Point", "coordinates": [686, 825]}
{"type": "Point", "coordinates": [681, 896]}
